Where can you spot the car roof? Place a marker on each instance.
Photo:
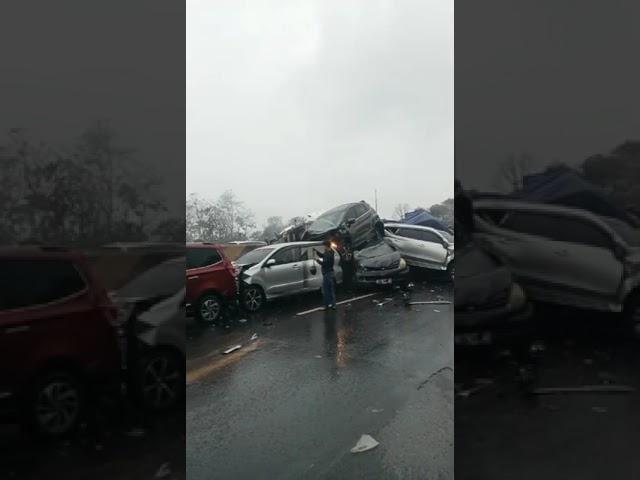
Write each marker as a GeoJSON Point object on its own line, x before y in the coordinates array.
{"type": "Point", "coordinates": [280, 246]}
{"type": "Point", "coordinates": [413, 227]}
{"type": "Point", "coordinates": [204, 245]}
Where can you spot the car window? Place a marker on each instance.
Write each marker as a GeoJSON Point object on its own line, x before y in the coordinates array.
{"type": "Point", "coordinates": [202, 257]}
{"type": "Point", "coordinates": [494, 216]}
{"type": "Point", "coordinates": [287, 255]}
{"type": "Point", "coordinates": [28, 282]}
{"type": "Point", "coordinates": [429, 236]}
{"type": "Point", "coordinates": [254, 256]}
{"type": "Point", "coordinates": [360, 210]}
{"type": "Point", "coordinates": [557, 227]}
{"type": "Point", "coordinates": [163, 279]}
{"type": "Point", "coordinates": [409, 233]}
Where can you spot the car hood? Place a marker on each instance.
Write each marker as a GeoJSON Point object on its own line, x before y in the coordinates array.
{"type": "Point", "coordinates": [480, 277]}
{"type": "Point", "coordinates": [380, 255]}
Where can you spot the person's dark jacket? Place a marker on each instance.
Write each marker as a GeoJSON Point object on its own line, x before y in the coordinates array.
{"type": "Point", "coordinates": [327, 259]}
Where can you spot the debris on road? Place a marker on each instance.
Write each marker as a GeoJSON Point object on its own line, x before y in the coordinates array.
{"type": "Point", "coordinates": [164, 471]}
{"type": "Point", "coordinates": [254, 336]}
{"type": "Point", "coordinates": [317, 356]}
{"type": "Point", "coordinates": [437, 311]}
{"type": "Point", "coordinates": [243, 320]}
{"type": "Point", "coordinates": [584, 389]}
{"type": "Point", "coordinates": [377, 410]}
{"type": "Point", "coordinates": [232, 349]}
{"type": "Point", "coordinates": [366, 442]}
{"type": "Point", "coordinates": [383, 303]}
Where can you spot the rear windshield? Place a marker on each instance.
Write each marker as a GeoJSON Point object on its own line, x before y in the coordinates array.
{"type": "Point", "coordinates": [254, 256]}
{"type": "Point", "coordinates": [202, 257]}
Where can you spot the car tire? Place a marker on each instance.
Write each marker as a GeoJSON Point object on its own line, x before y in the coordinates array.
{"type": "Point", "coordinates": [159, 380]}
{"type": "Point", "coordinates": [209, 308]}
{"type": "Point", "coordinates": [55, 404]}
{"type": "Point", "coordinates": [253, 298]}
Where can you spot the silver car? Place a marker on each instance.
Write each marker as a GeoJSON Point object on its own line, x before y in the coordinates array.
{"type": "Point", "coordinates": [422, 247]}
{"type": "Point", "coordinates": [278, 271]}
{"type": "Point", "coordinates": [565, 255]}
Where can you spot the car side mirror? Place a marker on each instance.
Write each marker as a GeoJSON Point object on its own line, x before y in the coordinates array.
{"type": "Point", "coordinates": [269, 263]}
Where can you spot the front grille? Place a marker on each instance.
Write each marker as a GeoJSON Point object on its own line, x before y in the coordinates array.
{"type": "Point", "coordinates": [393, 266]}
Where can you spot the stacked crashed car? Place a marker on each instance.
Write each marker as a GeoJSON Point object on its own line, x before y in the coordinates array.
{"type": "Point", "coordinates": [152, 307]}
{"type": "Point", "coordinates": [350, 226]}
{"type": "Point", "coordinates": [380, 264]}
{"type": "Point", "coordinates": [280, 270]}
{"type": "Point", "coordinates": [423, 247]}
{"type": "Point", "coordinates": [490, 308]}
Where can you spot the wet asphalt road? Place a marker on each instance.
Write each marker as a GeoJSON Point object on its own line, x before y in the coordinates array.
{"type": "Point", "coordinates": [500, 433]}
{"type": "Point", "coordinates": [292, 403]}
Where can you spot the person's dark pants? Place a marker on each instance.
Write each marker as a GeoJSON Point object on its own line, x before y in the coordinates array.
{"type": "Point", "coordinates": [329, 288]}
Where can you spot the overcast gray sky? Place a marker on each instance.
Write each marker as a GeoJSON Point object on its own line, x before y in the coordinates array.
{"type": "Point", "coordinates": [69, 63]}
{"type": "Point", "coordinates": [300, 105]}
{"type": "Point", "coordinates": [557, 79]}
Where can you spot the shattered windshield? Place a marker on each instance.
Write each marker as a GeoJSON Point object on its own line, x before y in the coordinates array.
{"type": "Point", "coordinates": [333, 217]}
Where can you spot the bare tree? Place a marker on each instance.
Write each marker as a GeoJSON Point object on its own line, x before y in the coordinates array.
{"type": "Point", "coordinates": [512, 170]}
{"type": "Point", "coordinates": [224, 220]}
{"type": "Point", "coordinates": [401, 210]}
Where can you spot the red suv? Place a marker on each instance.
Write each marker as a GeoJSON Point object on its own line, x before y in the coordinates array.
{"type": "Point", "coordinates": [211, 281]}
{"type": "Point", "coordinates": [58, 337]}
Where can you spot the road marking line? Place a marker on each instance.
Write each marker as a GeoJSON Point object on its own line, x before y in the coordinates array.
{"type": "Point", "coordinates": [318, 309]}
{"type": "Point", "coordinates": [219, 361]}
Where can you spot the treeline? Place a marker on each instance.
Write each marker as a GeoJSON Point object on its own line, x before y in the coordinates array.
{"type": "Point", "coordinates": [91, 191]}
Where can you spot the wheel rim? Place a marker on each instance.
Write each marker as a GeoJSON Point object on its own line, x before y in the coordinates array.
{"type": "Point", "coordinates": [253, 299]}
{"type": "Point", "coordinates": [57, 407]}
{"type": "Point", "coordinates": [210, 309]}
{"type": "Point", "coordinates": [160, 383]}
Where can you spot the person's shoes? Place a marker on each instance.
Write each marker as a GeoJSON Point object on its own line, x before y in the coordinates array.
{"type": "Point", "coordinates": [333, 307]}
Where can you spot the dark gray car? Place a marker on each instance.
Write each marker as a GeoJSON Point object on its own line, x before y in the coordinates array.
{"type": "Point", "coordinates": [351, 226]}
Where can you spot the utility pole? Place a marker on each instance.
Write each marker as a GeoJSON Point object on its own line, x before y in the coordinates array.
{"type": "Point", "coordinates": [376, 196]}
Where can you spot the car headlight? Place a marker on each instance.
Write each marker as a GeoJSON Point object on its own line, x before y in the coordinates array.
{"type": "Point", "coordinates": [403, 264]}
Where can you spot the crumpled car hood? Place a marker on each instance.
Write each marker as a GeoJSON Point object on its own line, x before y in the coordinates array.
{"type": "Point", "coordinates": [380, 255]}
{"type": "Point", "coordinates": [479, 277]}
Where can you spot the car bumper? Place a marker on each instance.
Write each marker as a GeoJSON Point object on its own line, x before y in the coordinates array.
{"type": "Point", "coordinates": [382, 277]}
{"type": "Point", "coordinates": [495, 325]}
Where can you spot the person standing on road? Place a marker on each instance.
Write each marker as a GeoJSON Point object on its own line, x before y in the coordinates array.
{"type": "Point", "coordinates": [326, 260]}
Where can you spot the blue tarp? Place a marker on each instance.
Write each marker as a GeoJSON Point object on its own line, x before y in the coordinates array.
{"type": "Point", "coordinates": [424, 218]}
{"type": "Point", "coordinates": [566, 187]}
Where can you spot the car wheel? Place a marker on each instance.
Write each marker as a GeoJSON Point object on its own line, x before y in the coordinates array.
{"type": "Point", "coordinates": [253, 298]}
{"type": "Point", "coordinates": [56, 404]}
{"type": "Point", "coordinates": [209, 308]}
{"type": "Point", "coordinates": [160, 380]}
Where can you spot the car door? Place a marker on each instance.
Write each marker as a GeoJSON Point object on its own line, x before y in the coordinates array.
{"type": "Point", "coordinates": [312, 269]}
{"type": "Point", "coordinates": [203, 265]}
{"type": "Point", "coordinates": [286, 276]}
{"type": "Point", "coordinates": [565, 259]}
{"type": "Point", "coordinates": [435, 253]}
{"type": "Point", "coordinates": [408, 244]}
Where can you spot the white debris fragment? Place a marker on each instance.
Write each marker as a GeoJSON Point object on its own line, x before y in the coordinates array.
{"type": "Point", "coordinates": [243, 320]}
{"type": "Point", "coordinates": [377, 410]}
{"type": "Point", "coordinates": [163, 471]}
{"type": "Point", "coordinates": [437, 311]}
{"type": "Point", "coordinates": [317, 356]}
{"type": "Point", "coordinates": [232, 349]}
{"type": "Point", "coordinates": [254, 336]}
{"type": "Point", "coordinates": [366, 442]}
